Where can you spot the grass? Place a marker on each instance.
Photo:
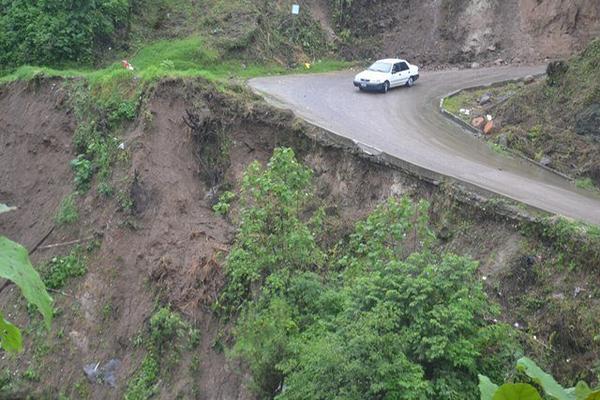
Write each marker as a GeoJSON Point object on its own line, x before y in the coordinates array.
{"type": "Point", "coordinates": [469, 99]}
{"type": "Point", "coordinates": [168, 335]}
{"type": "Point", "coordinates": [585, 183]}
{"type": "Point", "coordinates": [182, 58]}
{"type": "Point", "coordinates": [67, 211]}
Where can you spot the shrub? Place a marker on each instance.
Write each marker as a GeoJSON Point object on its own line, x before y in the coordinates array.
{"type": "Point", "coordinates": [383, 317]}
{"type": "Point", "coordinates": [54, 31]}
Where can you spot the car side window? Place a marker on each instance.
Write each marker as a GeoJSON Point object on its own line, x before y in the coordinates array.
{"type": "Point", "coordinates": [403, 66]}
{"type": "Point", "coordinates": [396, 68]}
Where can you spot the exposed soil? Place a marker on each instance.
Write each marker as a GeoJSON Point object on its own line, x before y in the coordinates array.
{"type": "Point", "coordinates": [435, 32]}
{"type": "Point", "coordinates": [170, 249]}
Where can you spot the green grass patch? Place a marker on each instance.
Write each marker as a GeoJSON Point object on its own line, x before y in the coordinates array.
{"type": "Point", "coordinates": [67, 211]}
{"type": "Point", "coordinates": [59, 270]}
{"type": "Point", "coordinates": [167, 336]}
{"type": "Point", "coordinates": [469, 99]}
{"type": "Point", "coordinates": [585, 183]}
{"type": "Point", "coordinates": [182, 58]}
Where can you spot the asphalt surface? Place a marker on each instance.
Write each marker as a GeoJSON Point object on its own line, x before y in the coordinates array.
{"type": "Point", "coordinates": [407, 123]}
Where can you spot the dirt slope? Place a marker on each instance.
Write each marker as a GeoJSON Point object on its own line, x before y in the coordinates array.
{"type": "Point", "coordinates": [169, 249]}
{"type": "Point", "coordinates": [449, 31]}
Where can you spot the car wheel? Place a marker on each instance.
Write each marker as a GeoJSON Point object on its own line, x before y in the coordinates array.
{"type": "Point", "coordinates": [410, 82]}
{"type": "Point", "coordinates": [386, 87]}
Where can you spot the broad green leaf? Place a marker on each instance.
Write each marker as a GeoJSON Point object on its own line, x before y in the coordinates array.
{"type": "Point", "coordinates": [10, 336]}
{"type": "Point", "coordinates": [595, 395]}
{"type": "Point", "coordinates": [581, 390]}
{"type": "Point", "coordinates": [16, 267]}
{"type": "Point", "coordinates": [546, 381]}
{"type": "Point", "coordinates": [4, 208]}
{"type": "Point", "coordinates": [516, 391]}
{"type": "Point", "coordinates": [487, 388]}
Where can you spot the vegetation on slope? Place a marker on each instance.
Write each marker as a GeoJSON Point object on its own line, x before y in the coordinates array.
{"type": "Point", "coordinates": [380, 315]}
{"type": "Point", "coordinates": [560, 118]}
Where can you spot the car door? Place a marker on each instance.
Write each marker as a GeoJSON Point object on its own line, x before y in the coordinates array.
{"type": "Point", "coordinates": [396, 78]}
{"type": "Point", "coordinates": [404, 73]}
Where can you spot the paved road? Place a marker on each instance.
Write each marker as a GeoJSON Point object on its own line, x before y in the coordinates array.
{"type": "Point", "coordinates": [407, 123]}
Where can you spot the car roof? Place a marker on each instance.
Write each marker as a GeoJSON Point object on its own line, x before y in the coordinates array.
{"type": "Point", "coordinates": [391, 60]}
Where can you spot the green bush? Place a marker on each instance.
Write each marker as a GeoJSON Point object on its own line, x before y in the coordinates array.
{"type": "Point", "coordinates": [54, 31]}
{"type": "Point", "coordinates": [383, 317]}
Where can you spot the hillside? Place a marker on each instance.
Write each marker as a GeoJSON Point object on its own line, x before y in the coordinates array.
{"type": "Point", "coordinates": [202, 244]}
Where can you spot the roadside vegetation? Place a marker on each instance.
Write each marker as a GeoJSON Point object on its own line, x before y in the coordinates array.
{"type": "Point", "coordinates": [553, 121]}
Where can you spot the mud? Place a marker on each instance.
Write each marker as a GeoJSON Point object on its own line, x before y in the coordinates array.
{"type": "Point", "coordinates": [170, 248]}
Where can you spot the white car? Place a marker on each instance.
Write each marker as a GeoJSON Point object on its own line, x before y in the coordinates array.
{"type": "Point", "coordinates": [386, 74]}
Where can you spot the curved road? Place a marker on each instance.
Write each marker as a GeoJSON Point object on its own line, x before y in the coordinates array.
{"type": "Point", "coordinates": [406, 123]}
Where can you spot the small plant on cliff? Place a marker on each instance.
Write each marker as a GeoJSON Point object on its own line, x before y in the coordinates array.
{"type": "Point", "coordinates": [224, 204]}
{"type": "Point", "coordinates": [166, 337]}
{"type": "Point", "coordinates": [67, 211]}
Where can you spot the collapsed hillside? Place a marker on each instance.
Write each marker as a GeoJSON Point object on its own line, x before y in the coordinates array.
{"type": "Point", "coordinates": [462, 32]}
{"type": "Point", "coordinates": [150, 248]}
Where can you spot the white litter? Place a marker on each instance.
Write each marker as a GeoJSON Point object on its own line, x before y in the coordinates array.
{"type": "Point", "coordinates": [122, 146]}
{"type": "Point", "coordinates": [488, 117]}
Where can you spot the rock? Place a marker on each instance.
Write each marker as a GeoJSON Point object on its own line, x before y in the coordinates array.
{"type": "Point", "coordinates": [516, 60]}
{"type": "Point", "coordinates": [491, 48]}
{"type": "Point", "coordinates": [103, 374]}
{"type": "Point", "coordinates": [556, 71]}
{"type": "Point", "coordinates": [477, 122]}
{"type": "Point", "coordinates": [499, 62]}
{"type": "Point", "coordinates": [588, 121]}
{"type": "Point", "coordinates": [475, 65]}
{"type": "Point", "coordinates": [486, 98]}
{"type": "Point", "coordinates": [546, 161]}
{"type": "Point", "coordinates": [488, 128]}
{"type": "Point", "coordinates": [503, 140]}
{"type": "Point", "coordinates": [529, 79]}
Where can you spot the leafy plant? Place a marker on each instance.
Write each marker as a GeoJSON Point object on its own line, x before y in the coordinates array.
{"type": "Point", "coordinates": [59, 270]}
{"type": "Point", "coordinates": [525, 391]}
{"type": "Point", "coordinates": [16, 267]}
{"type": "Point", "coordinates": [224, 204]}
{"type": "Point", "coordinates": [82, 168]}
{"type": "Point", "coordinates": [166, 331]}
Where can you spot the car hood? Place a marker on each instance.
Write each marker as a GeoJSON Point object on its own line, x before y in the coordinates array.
{"type": "Point", "coordinates": [372, 75]}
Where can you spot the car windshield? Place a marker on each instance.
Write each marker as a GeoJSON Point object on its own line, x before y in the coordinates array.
{"type": "Point", "coordinates": [380, 66]}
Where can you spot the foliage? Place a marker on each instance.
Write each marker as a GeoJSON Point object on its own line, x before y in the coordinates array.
{"type": "Point", "coordinates": [539, 378]}
{"type": "Point", "coordinates": [56, 272]}
{"type": "Point", "coordinates": [516, 391]}
{"type": "Point", "coordinates": [224, 204]}
{"type": "Point", "coordinates": [54, 31]}
{"type": "Point", "coordinates": [381, 317]}
{"type": "Point", "coordinates": [166, 332]}
{"type": "Point", "coordinates": [273, 199]}
{"type": "Point", "coordinates": [585, 183]}
{"type": "Point", "coordinates": [16, 267]}
{"type": "Point", "coordinates": [67, 211]}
